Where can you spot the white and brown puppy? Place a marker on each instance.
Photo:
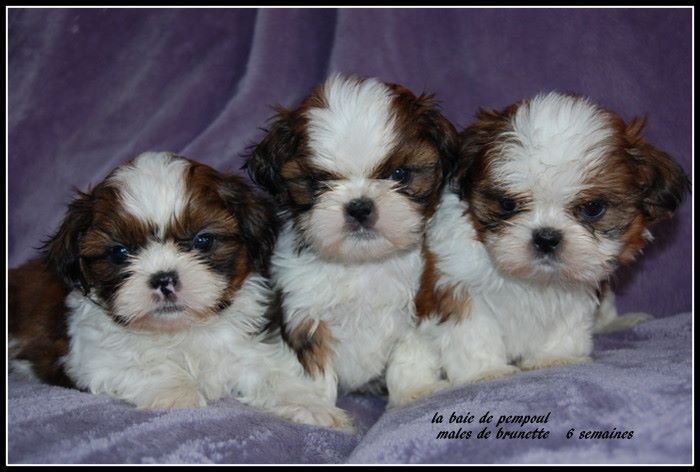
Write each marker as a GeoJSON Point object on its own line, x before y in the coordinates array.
{"type": "Point", "coordinates": [549, 196]}
{"type": "Point", "coordinates": [153, 290]}
{"type": "Point", "coordinates": [356, 170]}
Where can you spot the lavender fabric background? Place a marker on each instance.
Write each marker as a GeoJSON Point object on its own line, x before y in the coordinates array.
{"type": "Point", "coordinates": [91, 88]}
{"type": "Point", "coordinates": [640, 380]}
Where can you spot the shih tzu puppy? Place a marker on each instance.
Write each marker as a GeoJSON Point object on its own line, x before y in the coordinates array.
{"type": "Point", "coordinates": [548, 197]}
{"type": "Point", "coordinates": [356, 170]}
{"type": "Point", "coordinates": [153, 290]}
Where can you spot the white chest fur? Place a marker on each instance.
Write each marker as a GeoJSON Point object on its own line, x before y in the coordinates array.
{"type": "Point", "coordinates": [367, 306]}
{"type": "Point", "coordinates": [508, 320]}
{"type": "Point", "coordinates": [224, 356]}
{"type": "Point", "coordinates": [138, 366]}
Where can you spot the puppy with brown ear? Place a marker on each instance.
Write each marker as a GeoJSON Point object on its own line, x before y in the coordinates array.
{"type": "Point", "coordinates": [154, 291]}
{"type": "Point", "coordinates": [356, 171]}
{"type": "Point", "coordinates": [550, 195]}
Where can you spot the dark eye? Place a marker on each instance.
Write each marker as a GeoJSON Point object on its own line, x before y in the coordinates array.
{"type": "Point", "coordinates": [401, 175]}
{"type": "Point", "coordinates": [118, 254]}
{"type": "Point", "coordinates": [314, 184]}
{"type": "Point", "coordinates": [508, 205]}
{"type": "Point", "coordinates": [203, 242]}
{"type": "Point", "coordinates": [593, 211]}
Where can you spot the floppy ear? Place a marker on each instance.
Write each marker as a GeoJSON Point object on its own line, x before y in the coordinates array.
{"type": "Point", "coordinates": [256, 218]}
{"type": "Point", "coordinates": [433, 125]}
{"type": "Point", "coordinates": [662, 182]}
{"type": "Point", "coordinates": [439, 131]}
{"type": "Point", "coordinates": [474, 143]}
{"type": "Point", "coordinates": [62, 250]}
{"type": "Point", "coordinates": [281, 143]}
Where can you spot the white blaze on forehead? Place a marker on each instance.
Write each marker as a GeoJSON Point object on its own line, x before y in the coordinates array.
{"type": "Point", "coordinates": [356, 130]}
{"type": "Point", "coordinates": [152, 187]}
{"type": "Point", "coordinates": [556, 140]}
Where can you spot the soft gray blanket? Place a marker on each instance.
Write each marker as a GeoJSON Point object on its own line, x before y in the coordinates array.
{"type": "Point", "coordinates": [639, 380]}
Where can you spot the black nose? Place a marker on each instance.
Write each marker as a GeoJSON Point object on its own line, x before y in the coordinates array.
{"type": "Point", "coordinates": [360, 209]}
{"type": "Point", "coordinates": [546, 240]}
{"type": "Point", "coordinates": [165, 281]}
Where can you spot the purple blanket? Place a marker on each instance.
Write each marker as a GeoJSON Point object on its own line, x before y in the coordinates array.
{"type": "Point", "coordinates": [91, 88]}
{"type": "Point", "coordinates": [639, 381]}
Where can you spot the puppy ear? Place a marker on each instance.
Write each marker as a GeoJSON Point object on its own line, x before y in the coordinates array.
{"type": "Point", "coordinates": [281, 143]}
{"type": "Point", "coordinates": [474, 144]}
{"type": "Point", "coordinates": [256, 218]}
{"type": "Point", "coordinates": [62, 250]}
{"type": "Point", "coordinates": [439, 131]}
{"type": "Point", "coordinates": [662, 182]}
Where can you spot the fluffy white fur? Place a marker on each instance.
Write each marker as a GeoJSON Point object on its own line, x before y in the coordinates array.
{"type": "Point", "coordinates": [152, 187]}
{"type": "Point", "coordinates": [509, 320]}
{"type": "Point", "coordinates": [527, 312]}
{"type": "Point", "coordinates": [368, 307]}
{"type": "Point", "coordinates": [361, 284]}
{"type": "Point", "coordinates": [219, 357]}
{"type": "Point", "coordinates": [356, 130]}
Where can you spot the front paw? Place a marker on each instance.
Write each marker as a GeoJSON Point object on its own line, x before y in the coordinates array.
{"type": "Point", "coordinates": [623, 322]}
{"type": "Point", "coordinates": [328, 416]}
{"type": "Point", "coordinates": [497, 373]}
{"type": "Point", "coordinates": [547, 362]}
{"type": "Point", "coordinates": [492, 373]}
{"type": "Point", "coordinates": [397, 399]}
{"type": "Point", "coordinates": [177, 397]}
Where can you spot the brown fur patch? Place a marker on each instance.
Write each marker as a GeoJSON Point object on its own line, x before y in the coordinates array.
{"type": "Point", "coordinates": [93, 224]}
{"type": "Point", "coordinates": [633, 241]}
{"type": "Point", "coordinates": [661, 181]}
{"type": "Point", "coordinates": [621, 216]}
{"type": "Point", "coordinates": [207, 212]}
{"type": "Point", "coordinates": [305, 181]}
{"type": "Point", "coordinates": [486, 212]}
{"type": "Point", "coordinates": [639, 183]}
{"type": "Point", "coordinates": [37, 319]}
{"type": "Point", "coordinates": [428, 146]}
{"type": "Point", "coordinates": [448, 303]}
{"type": "Point", "coordinates": [279, 163]}
{"type": "Point", "coordinates": [300, 181]}
{"type": "Point", "coordinates": [111, 225]}
{"type": "Point", "coordinates": [313, 348]}
{"type": "Point", "coordinates": [479, 147]}
{"type": "Point", "coordinates": [422, 160]}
